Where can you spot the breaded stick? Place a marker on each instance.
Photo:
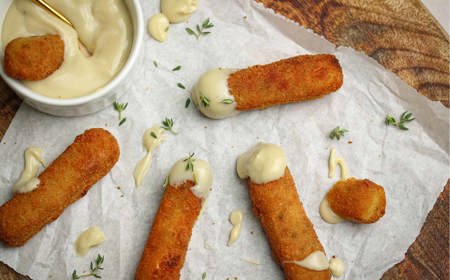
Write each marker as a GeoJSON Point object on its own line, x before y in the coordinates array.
{"type": "Point", "coordinates": [221, 93]}
{"type": "Point", "coordinates": [276, 203]}
{"type": "Point", "coordinates": [289, 80]}
{"type": "Point", "coordinates": [359, 201]}
{"type": "Point", "coordinates": [90, 157]}
{"type": "Point", "coordinates": [33, 58]}
{"type": "Point", "coordinates": [180, 206]}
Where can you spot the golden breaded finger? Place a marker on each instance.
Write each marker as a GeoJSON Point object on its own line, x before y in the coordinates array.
{"type": "Point", "coordinates": [290, 233]}
{"type": "Point", "coordinates": [167, 243]}
{"type": "Point", "coordinates": [33, 58]}
{"type": "Point", "coordinates": [90, 157]}
{"type": "Point", "coordinates": [359, 201]}
{"type": "Point", "coordinates": [289, 80]}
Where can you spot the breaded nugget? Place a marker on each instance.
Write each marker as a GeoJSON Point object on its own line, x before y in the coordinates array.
{"type": "Point", "coordinates": [290, 233]}
{"type": "Point", "coordinates": [289, 80]}
{"type": "Point", "coordinates": [167, 243]}
{"type": "Point", "coordinates": [359, 201]}
{"type": "Point", "coordinates": [90, 157]}
{"type": "Point", "coordinates": [33, 58]}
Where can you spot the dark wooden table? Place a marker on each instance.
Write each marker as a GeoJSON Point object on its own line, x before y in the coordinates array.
{"type": "Point", "coordinates": [403, 37]}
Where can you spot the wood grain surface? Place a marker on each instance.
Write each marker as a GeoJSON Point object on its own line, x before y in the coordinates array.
{"type": "Point", "coordinates": [400, 34]}
{"type": "Point", "coordinates": [403, 37]}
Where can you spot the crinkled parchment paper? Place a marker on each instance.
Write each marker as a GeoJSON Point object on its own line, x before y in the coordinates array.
{"type": "Point", "coordinates": [411, 165]}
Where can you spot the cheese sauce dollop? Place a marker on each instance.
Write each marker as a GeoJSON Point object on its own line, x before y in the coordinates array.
{"type": "Point", "coordinates": [178, 10]}
{"type": "Point", "coordinates": [263, 164]}
{"type": "Point", "coordinates": [211, 95]}
{"type": "Point", "coordinates": [200, 174]}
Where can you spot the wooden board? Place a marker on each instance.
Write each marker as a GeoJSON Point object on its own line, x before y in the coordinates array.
{"type": "Point", "coordinates": [402, 36]}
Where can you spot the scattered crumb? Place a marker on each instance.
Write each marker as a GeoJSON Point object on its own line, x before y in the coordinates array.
{"type": "Point", "coordinates": [205, 126]}
{"type": "Point", "coordinates": [120, 190]}
{"type": "Point", "coordinates": [350, 141]}
{"type": "Point", "coordinates": [251, 232]}
{"type": "Point", "coordinates": [244, 17]}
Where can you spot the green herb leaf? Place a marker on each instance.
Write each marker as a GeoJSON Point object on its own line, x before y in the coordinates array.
{"type": "Point", "coordinates": [167, 124]}
{"type": "Point", "coordinates": [180, 85]}
{"type": "Point", "coordinates": [337, 133]}
{"type": "Point", "coordinates": [188, 101]}
{"type": "Point", "coordinates": [122, 121]}
{"type": "Point", "coordinates": [200, 30]}
{"type": "Point", "coordinates": [405, 118]}
{"type": "Point", "coordinates": [155, 63]}
{"type": "Point", "coordinates": [120, 107]}
{"type": "Point", "coordinates": [205, 100]}
{"type": "Point", "coordinates": [190, 162]}
{"type": "Point", "coordinates": [204, 276]}
{"type": "Point", "coordinates": [228, 101]}
{"type": "Point", "coordinates": [390, 120]}
{"type": "Point", "coordinates": [153, 135]}
{"type": "Point", "coordinates": [176, 68]}
{"type": "Point", "coordinates": [94, 269]}
{"type": "Point", "coordinates": [191, 32]}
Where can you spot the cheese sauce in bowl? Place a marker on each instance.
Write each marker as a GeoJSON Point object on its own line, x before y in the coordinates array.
{"type": "Point", "coordinates": [111, 30]}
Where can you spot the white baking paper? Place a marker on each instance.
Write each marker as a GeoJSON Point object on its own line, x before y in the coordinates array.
{"type": "Point", "coordinates": [411, 165]}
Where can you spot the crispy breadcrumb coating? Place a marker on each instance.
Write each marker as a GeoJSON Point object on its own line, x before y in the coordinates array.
{"type": "Point", "coordinates": [33, 58]}
{"type": "Point", "coordinates": [90, 157]}
{"type": "Point", "coordinates": [290, 233]}
{"type": "Point", "coordinates": [359, 201]}
{"type": "Point", "coordinates": [168, 240]}
{"type": "Point", "coordinates": [295, 79]}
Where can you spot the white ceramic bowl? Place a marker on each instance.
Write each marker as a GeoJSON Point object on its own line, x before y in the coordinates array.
{"type": "Point", "coordinates": [88, 104]}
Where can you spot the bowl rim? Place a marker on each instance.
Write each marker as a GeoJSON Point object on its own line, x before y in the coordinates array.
{"type": "Point", "coordinates": [138, 29]}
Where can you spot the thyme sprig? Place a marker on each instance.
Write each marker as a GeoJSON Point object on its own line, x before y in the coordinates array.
{"type": "Point", "coordinates": [167, 124]}
{"type": "Point", "coordinates": [120, 107]}
{"type": "Point", "coordinates": [190, 162]}
{"type": "Point", "coordinates": [337, 133]}
{"type": "Point", "coordinates": [201, 30]}
{"type": "Point", "coordinates": [405, 118]}
{"type": "Point", "coordinates": [176, 68]}
{"type": "Point", "coordinates": [94, 269]}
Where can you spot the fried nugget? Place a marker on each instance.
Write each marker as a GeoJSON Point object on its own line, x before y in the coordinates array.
{"type": "Point", "coordinates": [167, 243]}
{"type": "Point", "coordinates": [290, 233]}
{"type": "Point", "coordinates": [90, 157]}
{"type": "Point", "coordinates": [33, 58]}
{"type": "Point", "coordinates": [359, 201]}
{"type": "Point", "coordinates": [295, 79]}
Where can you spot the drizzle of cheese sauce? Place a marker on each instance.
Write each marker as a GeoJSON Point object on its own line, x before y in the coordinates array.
{"type": "Point", "coordinates": [28, 180]}
{"type": "Point", "coordinates": [236, 219]}
{"type": "Point", "coordinates": [333, 161]}
{"type": "Point", "coordinates": [152, 138]}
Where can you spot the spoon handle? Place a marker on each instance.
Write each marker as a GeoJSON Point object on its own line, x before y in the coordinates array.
{"type": "Point", "coordinates": [52, 10]}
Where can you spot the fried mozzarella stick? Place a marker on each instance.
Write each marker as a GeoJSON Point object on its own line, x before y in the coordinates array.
{"type": "Point", "coordinates": [291, 235]}
{"type": "Point", "coordinates": [189, 182]}
{"type": "Point", "coordinates": [221, 93]}
{"type": "Point", "coordinates": [90, 157]}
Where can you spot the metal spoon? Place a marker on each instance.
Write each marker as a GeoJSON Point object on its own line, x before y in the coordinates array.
{"type": "Point", "coordinates": [54, 12]}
